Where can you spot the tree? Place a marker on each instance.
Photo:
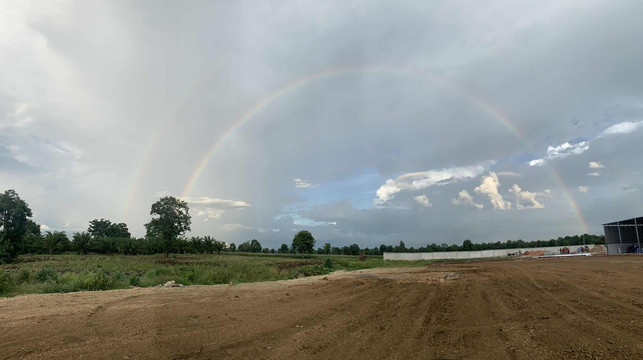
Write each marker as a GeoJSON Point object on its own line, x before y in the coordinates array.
{"type": "Point", "coordinates": [255, 246]}
{"type": "Point", "coordinates": [196, 243]}
{"type": "Point", "coordinates": [283, 249]}
{"type": "Point", "coordinates": [303, 242]}
{"type": "Point", "coordinates": [14, 223]}
{"type": "Point", "coordinates": [218, 246]}
{"type": "Point", "coordinates": [104, 228]}
{"type": "Point", "coordinates": [208, 244]}
{"type": "Point", "coordinates": [129, 246]}
{"type": "Point", "coordinates": [172, 220]}
{"type": "Point", "coordinates": [55, 241]}
{"type": "Point", "coordinates": [327, 248]}
{"type": "Point", "coordinates": [81, 241]}
{"type": "Point", "coordinates": [232, 247]}
{"type": "Point", "coordinates": [467, 245]}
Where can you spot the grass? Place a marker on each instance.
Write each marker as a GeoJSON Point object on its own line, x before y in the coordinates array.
{"type": "Point", "coordinates": [68, 273]}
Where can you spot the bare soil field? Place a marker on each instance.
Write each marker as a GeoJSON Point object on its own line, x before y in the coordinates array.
{"type": "Point", "coordinates": [571, 308]}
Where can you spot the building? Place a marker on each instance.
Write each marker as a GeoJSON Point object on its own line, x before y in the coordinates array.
{"type": "Point", "coordinates": [624, 236]}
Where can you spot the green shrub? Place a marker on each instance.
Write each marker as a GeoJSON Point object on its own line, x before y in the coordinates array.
{"type": "Point", "coordinates": [328, 264]}
{"type": "Point", "coordinates": [312, 270]}
{"type": "Point", "coordinates": [23, 276]}
{"type": "Point", "coordinates": [93, 280]}
{"type": "Point", "coordinates": [134, 280]}
{"type": "Point", "coordinates": [6, 285]}
{"type": "Point", "coordinates": [45, 274]}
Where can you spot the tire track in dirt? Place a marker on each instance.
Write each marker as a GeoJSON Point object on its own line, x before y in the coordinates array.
{"type": "Point", "coordinates": [494, 310]}
{"type": "Point", "coordinates": [583, 318]}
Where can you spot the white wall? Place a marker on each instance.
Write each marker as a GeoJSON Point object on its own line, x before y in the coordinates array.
{"type": "Point", "coordinates": [471, 254]}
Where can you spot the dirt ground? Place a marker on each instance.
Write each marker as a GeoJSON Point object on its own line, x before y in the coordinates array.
{"type": "Point", "coordinates": [571, 308]}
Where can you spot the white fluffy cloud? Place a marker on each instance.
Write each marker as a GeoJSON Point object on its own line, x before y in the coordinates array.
{"type": "Point", "coordinates": [566, 149]}
{"type": "Point", "coordinates": [527, 199]}
{"type": "Point", "coordinates": [213, 208]}
{"type": "Point", "coordinates": [583, 189]}
{"type": "Point", "coordinates": [489, 187]}
{"type": "Point", "coordinates": [422, 200]}
{"type": "Point", "coordinates": [622, 128]}
{"type": "Point", "coordinates": [560, 152]}
{"type": "Point", "coordinates": [303, 184]}
{"type": "Point", "coordinates": [595, 165]}
{"type": "Point", "coordinates": [464, 198]}
{"type": "Point", "coordinates": [595, 173]}
{"type": "Point", "coordinates": [425, 179]}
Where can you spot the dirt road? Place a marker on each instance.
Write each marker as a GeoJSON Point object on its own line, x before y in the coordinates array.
{"type": "Point", "coordinates": [573, 308]}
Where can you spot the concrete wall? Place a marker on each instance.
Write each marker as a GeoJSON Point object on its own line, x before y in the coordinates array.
{"type": "Point", "coordinates": [471, 254]}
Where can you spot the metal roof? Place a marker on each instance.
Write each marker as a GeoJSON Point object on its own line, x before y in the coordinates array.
{"type": "Point", "coordinates": [629, 222]}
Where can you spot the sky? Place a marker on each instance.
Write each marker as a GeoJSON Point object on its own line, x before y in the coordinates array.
{"type": "Point", "coordinates": [361, 121]}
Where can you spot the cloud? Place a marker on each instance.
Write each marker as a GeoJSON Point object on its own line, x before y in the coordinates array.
{"type": "Point", "coordinates": [595, 165]}
{"type": "Point", "coordinates": [303, 184]}
{"type": "Point", "coordinates": [583, 189]}
{"type": "Point", "coordinates": [210, 213]}
{"type": "Point", "coordinates": [595, 173]}
{"type": "Point", "coordinates": [489, 187]}
{"type": "Point", "coordinates": [425, 179]}
{"type": "Point", "coordinates": [560, 152]}
{"type": "Point", "coordinates": [422, 200]}
{"type": "Point", "coordinates": [464, 198]}
{"type": "Point", "coordinates": [508, 173]}
{"type": "Point", "coordinates": [625, 127]}
{"type": "Point", "coordinates": [566, 149]}
{"type": "Point", "coordinates": [236, 226]}
{"type": "Point", "coordinates": [214, 202]}
{"type": "Point", "coordinates": [528, 200]}
{"type": "Point", "coordinates": [213, 208]}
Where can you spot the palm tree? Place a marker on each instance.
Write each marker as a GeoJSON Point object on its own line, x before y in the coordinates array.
{"type": "Point", "coordinates": [54, 241]}
{"type": "Point", "coordinates": [82, 241]}
{"type": "Point", "coordinates": [129, 246]}
{"type": "Point", "coordinates": [196, 244]}
{"type": "Point", "coordinates": [208, 244]}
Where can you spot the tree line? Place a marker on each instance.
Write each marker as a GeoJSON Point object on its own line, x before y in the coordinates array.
{"type": "Point", "coordinates": [19, 234]}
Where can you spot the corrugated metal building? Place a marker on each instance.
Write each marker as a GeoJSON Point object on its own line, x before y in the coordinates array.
{"type": "Point", "coordinates": [624, 236]}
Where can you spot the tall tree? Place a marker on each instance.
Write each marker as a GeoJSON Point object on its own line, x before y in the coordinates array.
{"type": "Point", "coordinates": [303, 242]}
{"type": "Point", "coordinates": [172, 219]}
{"type": "Point", "coordinates": [104, 228]}
{"type": "Point", "coordinates": [14, 223]}
{"type": "Point", "coordinates": [255, 246]}
{"type": "Point", "coordinates": [327, 248]}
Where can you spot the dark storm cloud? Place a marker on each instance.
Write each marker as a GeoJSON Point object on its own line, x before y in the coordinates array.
{"type": "Point", "coordinates": [110, 104]}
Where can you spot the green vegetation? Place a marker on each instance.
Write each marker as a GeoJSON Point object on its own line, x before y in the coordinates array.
{"type": "Point", "coordinates": [171, 220]}
{"type": "Point", "coordinates": [303, 242]}
{"type": "Point", "coordinates": [68, 273]}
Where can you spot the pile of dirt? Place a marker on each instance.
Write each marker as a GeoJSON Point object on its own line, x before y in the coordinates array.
{"type": "Point", "coordinates": [534, 253]}
{"type": "Point", "coordinates": [598, 249]}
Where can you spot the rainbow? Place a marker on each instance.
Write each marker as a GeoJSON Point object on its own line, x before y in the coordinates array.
{"type": "Point", "coordinates": [299, 83]}
{"type": "Point", "coordinates": [154, 143]}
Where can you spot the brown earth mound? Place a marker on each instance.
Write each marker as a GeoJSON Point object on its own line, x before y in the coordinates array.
{"type": "Point", "coordinates": [534, 253]}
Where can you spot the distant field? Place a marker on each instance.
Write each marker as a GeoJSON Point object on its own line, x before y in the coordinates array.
{"type": "Point", "coordinates": [69, 273]}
